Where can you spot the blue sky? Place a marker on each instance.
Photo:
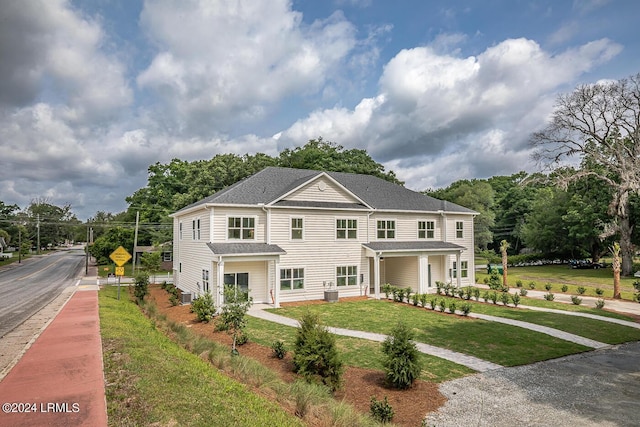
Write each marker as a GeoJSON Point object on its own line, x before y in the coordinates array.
{"type": "Point", "coordinates": [92, 92]}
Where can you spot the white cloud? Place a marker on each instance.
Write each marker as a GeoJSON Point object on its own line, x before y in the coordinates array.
{"type": "Point", "coordinates": [237, 58]}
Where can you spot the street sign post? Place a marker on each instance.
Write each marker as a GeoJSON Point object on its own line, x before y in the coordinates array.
{"type": "Point", "coordinates": [120, 256]}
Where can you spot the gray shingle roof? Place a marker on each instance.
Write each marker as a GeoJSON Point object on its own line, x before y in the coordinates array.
{"type": "Point", "coordinates": [272, 183]}
{"type": "Point", "coordinates": [245, 249]}
{"type": "Point", "coordinates": [426, 245]}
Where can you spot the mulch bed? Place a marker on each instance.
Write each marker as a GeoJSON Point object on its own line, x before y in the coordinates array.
{"type": "Point", "coordinates": [359, 384]}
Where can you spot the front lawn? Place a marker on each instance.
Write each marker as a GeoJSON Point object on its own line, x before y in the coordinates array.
{"type": "Point", "coordinates": [502, 344]}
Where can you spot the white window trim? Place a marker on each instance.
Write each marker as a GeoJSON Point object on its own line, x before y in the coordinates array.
{"type": "Point", "coordinates": [347, 285]}
{"type": "Point", "coordinates": [426, 230]}
{"type": "Point", "coordinates": [347, 238]}
{"type": "Point", "coordinates": [461, 229]}
{"type": "Point", "coordinates": [304, 279]}
{"type": "Point", "coordinates": [453, 271]}
{"type": "Point", "coordinates": [395, 228]}
{"type": "Point", "coordinates": [206, 280]}
{"type": "Point", "coordinates": [304, 221]}
{"type": "Point", "coordinates": [255, 228]}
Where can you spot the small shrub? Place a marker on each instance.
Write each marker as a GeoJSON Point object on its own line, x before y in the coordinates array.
{"type": "Point", "coordinates": [564, 288]}
{"type": "Point", "coordinates": [407, 294]}
{"type": "Point", "coordinates": [581, 290]}
{"type": "Point", "coordinates": [485, 296]}
{"type": "Point", "coordinates": [468, 292]}
{"type": "Point", "coordinates": [476, 293]}
{"type": "Point", "coordinates": [442, 305]}
{"type": "Point", "coordinates": [460, 292]}
{"type": "Point", "coordinates": [415, 299]}
{"type": "Point", "coordinates": [452, 307]}
{"type": "Point", "coordinates": [141, 286]}
{"type": "Point", "coordinates": [505, 297]}
{"type": "Point", "coordinates": [600, 303]}
{"type": "Point", "coordinates": [518, 283]}
{"type": "Point", "coordinates": [381, 410]}
{"type": "Point", "coordinates": [387, 289]}
{"type": "Point", "coordinates": [523, 292]}
{"type": "Point", "coordinates": [203, 307]}
{"type": "Point", "coordinates": [433, 303]}
{"type": "Point", "coordinates": [576, 300]}
{"type": "Point", "coordinates": [402, 363]}
{"type": "Point", "coordinates": [423, 300]}
{"type": "Point", "coordinates": [515, 298]}
{"type": "Point", "coordinates": [599, 292]}
{"type": "Point", "coordinates": [504, 289]}
{"type": "Point", "coordinates": [242, 338]}
{"type": "Point", "coordinates": [279, 350]}
{"type": "Point", "coordinates": [439, 286]}
{"type": "Point", "coordinates": [466, 309]}
{"type": "Point", "coordinates": [548, 286]}
{"type": "Point", "coordinates": [532, 285]}
{"type": "Point", "coordinates": [549, 296]}
{"type": "Point", "coordinates": [494, 297]}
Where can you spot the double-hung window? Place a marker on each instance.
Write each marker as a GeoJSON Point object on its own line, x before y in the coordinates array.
{"type": "Point", "coordinates": [426, 229]}
{"type": "Point", "coordinates": [347, 275]}
{"type": "Point", "coordinates": [241, 228]}
{"type": "Point", "coordinates": [297, 228]}
{"type": "Point", "coordinates": [291, 279]}
{"type": "Point", "coordinates": [195, 225]}
{"type": "Point", "coordinates": [346, 228]}
{"type": "Point", "coordinates": [464, 269]}
{"type": "Point", "coordinates": [386, 229]}
{"type": "Point", "coordinates": [180, 228]}
{"type": "Point", "coordinates": [459, 229]}
{"type": "Point", "coordinates": [205, 281]}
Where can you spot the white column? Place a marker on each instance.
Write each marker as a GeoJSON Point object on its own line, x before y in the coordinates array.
{"type": "Point", "coordinates": [423, 273]}
{"type": "Point", "coordinates": [376, 273]}
{"type": "Point", "coordinates": [458, 274]}
{"type": "Point", "coordinates": [220, 285]}
{"type": "Point", "coordinates": [276, 283]}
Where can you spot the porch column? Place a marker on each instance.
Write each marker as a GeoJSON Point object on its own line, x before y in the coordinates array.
{"type": "Point", "coordinates": [458, 272]}
{"type": "Point", "coordinates": [220, 284]}
{"type": "Point", "coordinates": [423, 274]}
{"type": "Point", "coordinates": [376, 273]}
{"type": "Point", "coordinates": [276, 284]}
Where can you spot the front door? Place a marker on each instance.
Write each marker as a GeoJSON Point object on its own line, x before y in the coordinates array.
{"type": "Point", "coordinates": [240, 281]}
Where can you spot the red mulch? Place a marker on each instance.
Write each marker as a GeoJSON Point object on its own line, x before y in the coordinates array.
{"type": "Point", "coordinates": [359, 384]}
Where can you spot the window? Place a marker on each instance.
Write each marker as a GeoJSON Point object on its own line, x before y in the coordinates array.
{"type": "Point", "coordinates": [346, 228]}
{"type": "Point", "coordinates": [195, 225]}
{"type": "Point", "coordinates": [205, 280]}
{"type": "Point", "coordinates": [347, 275]}
{"type": "Point", "coordinates": [291, 279]}
{"type": "Point", "coordinates": [464, 270]}
{"type": "Point", "coordinates": [243, 228]}
{"type": "Point", "coordinates": [386, 229]}
{"type": "Point", "coordinates": [459, 229]}
{"type": "Point", "coordinates": [297, 228]}
{"type": "Point", "coordinates": [167, 256]}
{"type": "Point", "coordinates": [426, 229]}
{"type": "Point", "coordinates": [180, 228]}
{"type": "Point", "coordinates": [240, 281]}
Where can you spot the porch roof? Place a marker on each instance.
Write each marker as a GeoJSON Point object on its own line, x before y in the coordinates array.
{"type": "Point", "coordinates": [417, 246]}
{"type": "Point", "coordinates": [240, 249]}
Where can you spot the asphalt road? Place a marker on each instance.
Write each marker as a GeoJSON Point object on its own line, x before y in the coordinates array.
{"type": "Point", "coordinates": [26, 288]}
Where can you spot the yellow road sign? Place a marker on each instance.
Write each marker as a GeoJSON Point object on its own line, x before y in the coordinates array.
{"type": "Point", "coordinates": [120, 256]}
{"type": "Point", "coordinates": [119, 271]}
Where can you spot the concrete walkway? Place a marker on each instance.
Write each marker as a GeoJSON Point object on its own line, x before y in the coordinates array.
{"type": "Point", "coordinates": [472, 362]}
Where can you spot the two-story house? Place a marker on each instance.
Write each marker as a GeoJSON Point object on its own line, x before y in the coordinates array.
{"type": "Point", "coordinates": [290, 234]}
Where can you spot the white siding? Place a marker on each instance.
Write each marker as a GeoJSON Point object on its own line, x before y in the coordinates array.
{"type": "Point", "coordinates": [220, 223]}
{"type": "Point", "coordinates": [322, 190]}
{"type": "Point", "coordinates": [257, 277]}
{"type": "Point", "coordinates": [402, 272]}
{"type": "Point", "coordinates": [192, 256]}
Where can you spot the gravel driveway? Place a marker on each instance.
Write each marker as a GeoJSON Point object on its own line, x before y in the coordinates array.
{"type": "Point", "coordinates": [597, 388]}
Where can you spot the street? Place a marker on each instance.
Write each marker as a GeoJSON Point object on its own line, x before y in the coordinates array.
{"type": "Point", "coordinates": [26, 288]}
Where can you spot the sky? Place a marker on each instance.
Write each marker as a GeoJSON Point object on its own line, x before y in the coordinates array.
{"type": "Point", "coordinates": [93, 92]}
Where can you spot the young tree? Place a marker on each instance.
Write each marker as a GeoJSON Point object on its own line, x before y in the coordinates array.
{"type": "Point", "coordinates": [504, 245]}
{"type": "Point", "coordinates": [615, 251]}
{"type": "Point", "coordinates": [234, 310]}
{"type": "Point", "coordinates": [600, 124]}
{"type": "Point", "coordinates": [402, 363]}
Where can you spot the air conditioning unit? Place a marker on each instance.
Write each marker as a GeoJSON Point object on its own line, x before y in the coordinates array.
{"type": "Point", "coordinates": [185, 297]}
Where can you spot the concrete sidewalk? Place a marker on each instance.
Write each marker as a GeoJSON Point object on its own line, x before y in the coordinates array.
{"type": "Point", "coordinates": [59, 380]}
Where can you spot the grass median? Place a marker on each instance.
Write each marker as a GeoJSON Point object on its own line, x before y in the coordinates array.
{"type": "Point", "coordinates": [153, 381]}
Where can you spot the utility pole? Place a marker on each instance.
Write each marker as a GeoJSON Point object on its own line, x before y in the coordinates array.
{"type": "Point", "coordinates": [86, 247]}
{"type": "Point", "coordinates": [19, 245]}
{"type": "Point", "coordinates": [38, 232]}
{"type": "Point", "coordinates": [135, 244]}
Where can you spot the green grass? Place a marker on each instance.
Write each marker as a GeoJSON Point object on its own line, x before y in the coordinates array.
{"type": "Point", "coordinates": [559, 275]}
{"type": "Point", "coordinates": [583, 308]}
{"type": "Point", "coordinates": [598, 330]}
{"type": "Point", "coordinates": [355, 352]}
{"type": "Point", "coordinates": [503, 344]}
{"type": "Point", "coordinates": [153, 381]}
